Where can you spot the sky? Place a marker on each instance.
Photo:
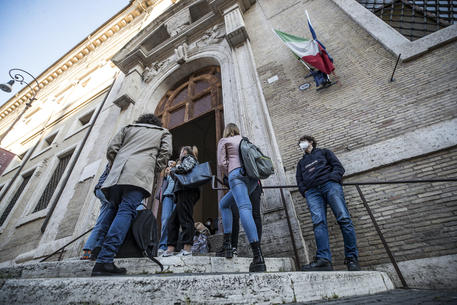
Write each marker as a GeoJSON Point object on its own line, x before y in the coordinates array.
{"type": "Point", "coordinates": [36, 33]}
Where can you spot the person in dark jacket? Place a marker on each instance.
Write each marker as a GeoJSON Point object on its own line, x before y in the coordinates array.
{"type": "Point", "coordinates": [185, 199]}
{"type": "Point", "coordinates": [319, 175]}
{"type": "Point", "coordinates": [94, 243]}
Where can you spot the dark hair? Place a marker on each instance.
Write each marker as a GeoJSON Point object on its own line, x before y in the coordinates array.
{"type": "Point", "coordinates": [149, 118]}
{"type": "Point", "coordinates": [309, 139]}
{"type": "Point", "coordinates": [191, 150]}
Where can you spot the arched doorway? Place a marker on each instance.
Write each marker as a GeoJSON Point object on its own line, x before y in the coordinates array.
{"type": "Point", "coordinates": [193, 112]}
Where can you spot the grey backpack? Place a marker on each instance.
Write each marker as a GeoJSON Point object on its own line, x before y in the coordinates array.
{"type": "Point", "coordinates": [254, 162]}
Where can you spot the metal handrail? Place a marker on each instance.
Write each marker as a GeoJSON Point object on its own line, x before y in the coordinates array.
{"type": "Point", "coordinates": [214, 181]}
{"type": "Point", "coordinates": [61, 249]}
{"type": "Point", "coordinates": [357, 184]}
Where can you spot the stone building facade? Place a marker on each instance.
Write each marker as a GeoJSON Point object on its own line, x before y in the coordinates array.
{"type": "Point", "coordinates": [198, 64]}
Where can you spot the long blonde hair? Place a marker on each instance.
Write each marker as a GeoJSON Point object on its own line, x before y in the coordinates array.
{"type": "Point", "coordinates": [231, 130]}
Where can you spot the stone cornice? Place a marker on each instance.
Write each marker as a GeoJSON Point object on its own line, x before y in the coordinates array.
{"type": "Point", "coordinates": [80, 51]}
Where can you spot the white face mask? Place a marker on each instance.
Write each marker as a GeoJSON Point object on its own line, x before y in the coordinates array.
{"type": "Point", "coordinates": [304, 145]}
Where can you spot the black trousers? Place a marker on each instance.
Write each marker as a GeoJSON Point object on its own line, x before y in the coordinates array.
{"type": "Point", "coordinates": [255, 201]}
{"type": "Point", "coordinates": [182, 217]}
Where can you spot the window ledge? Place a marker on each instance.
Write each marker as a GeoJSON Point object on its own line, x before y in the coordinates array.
{"type": "Point", "coordinates": [41, 152]}
{"type": "Point", "coordinates": [392, 40]}
{"type": "Point", "coordinates": [77, 131]}
{"type": "Point", "coordinates": [32, 217]}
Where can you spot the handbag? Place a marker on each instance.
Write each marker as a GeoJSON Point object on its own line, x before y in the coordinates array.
{"type": "Point", "coordinates": [199, 175]}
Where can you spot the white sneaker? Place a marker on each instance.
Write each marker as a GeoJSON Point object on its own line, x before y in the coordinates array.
{"type": "Point", "coordinates": [167, 254]}
{"type": "Point", "coordinates": [184, 253]}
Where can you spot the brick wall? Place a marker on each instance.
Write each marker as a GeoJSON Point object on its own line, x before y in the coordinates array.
{"type": "Point", "coordinates": [418, 220]}
{"type": "Point", "coordinates": [362, 109]}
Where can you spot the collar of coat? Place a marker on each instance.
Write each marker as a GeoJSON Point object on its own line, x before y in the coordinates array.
{"type": "Point", "coordinates": [146, 125]}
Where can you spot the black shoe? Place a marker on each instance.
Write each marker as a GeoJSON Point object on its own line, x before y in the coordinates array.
{"type": "Point", "coordinates": [107, 269]}
{"type": "Point", "coordinates": [258, 262]}
{"type": "Point", "coordinates": [352, 263]}
{"type": "Point", "coordinates": [319, 264]}
{"type": "Point", "coordinates": [94, 253]}
{"type": "Point", "coordinates": [226, 250]}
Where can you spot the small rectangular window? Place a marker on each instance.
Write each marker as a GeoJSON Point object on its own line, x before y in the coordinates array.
{"type": "Point", "coordinates": [52, 184]}
{"type": "Point", "coordinates": [49, 140]}
{"type": "Point", "coordinates": [10, 206]}
{"type": "Point", "coordinates": [85, 119]}
{"type": "Point", "coordinates": [198, 10]}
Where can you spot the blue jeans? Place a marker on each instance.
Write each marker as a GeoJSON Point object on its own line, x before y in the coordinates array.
{"type": "Point", "coordinates": [102, 224]}
{"type": "Point", "coordinates": [168, 207]}
{"type": "Point", "coordinates": [127, 199]}
{"type": "Point", "coordinates": [240, 189]}
{"type": "Point", "coordinates": [317, 198]}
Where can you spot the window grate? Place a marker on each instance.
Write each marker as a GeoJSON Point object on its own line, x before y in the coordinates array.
{"type": "Point", "coordinates": [52, 185]}
{"type": "Point", "coordinates": [414, 19]}
{"type": "Point", "coordinates": [25, 180]}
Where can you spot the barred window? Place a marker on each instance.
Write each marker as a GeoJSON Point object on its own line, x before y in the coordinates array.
{"type": "Point", "coordinates": [6, 212]}
{"type": "Point", "coordinates": [52, 184]}
{"type": "Point", "coordinates": [414, 19]}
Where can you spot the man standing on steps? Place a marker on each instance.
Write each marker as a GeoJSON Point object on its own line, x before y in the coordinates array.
{"type": "Point", "coordinates": [136, 152]}
{"type": "Point", "coordinates": [319, 175]}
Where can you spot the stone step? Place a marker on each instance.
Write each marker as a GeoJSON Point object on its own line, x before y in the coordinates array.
{"type": "Point", "coordinates": [240, 288]}
{"type": "Point", "coordinates": [144, 266]}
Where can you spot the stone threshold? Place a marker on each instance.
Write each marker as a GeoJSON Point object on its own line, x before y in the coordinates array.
{"type": "Point", "coordinates": [241, 288]}
{"type": "Point", "coordinates": [144, 266]}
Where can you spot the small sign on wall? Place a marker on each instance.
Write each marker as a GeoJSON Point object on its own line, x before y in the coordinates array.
{"type": "Point", "coordinates": [272, 79]}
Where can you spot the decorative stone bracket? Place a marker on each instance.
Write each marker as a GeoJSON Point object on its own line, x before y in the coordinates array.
{"type": "Point", "coordinates": [234, 26]}
{"type": "Point", "coordinates": [130, 88]}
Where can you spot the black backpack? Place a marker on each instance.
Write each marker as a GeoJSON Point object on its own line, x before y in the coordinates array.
{"type": "Point", "coordinates": [142, 239]}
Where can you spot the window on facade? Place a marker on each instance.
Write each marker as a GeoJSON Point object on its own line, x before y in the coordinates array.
{"type": "Point", "coordinates": [49, 139]}
{"type": "Point", "coordinates": [52, 184]}
{"type": "Point", "coordinates": [10, 206]}
{"type": "Point", "coordinates": [85, 119]}
{"type": "Point", "coordinates": [198, 10]}
{"type": "Point", "coordinates": [414, 19]}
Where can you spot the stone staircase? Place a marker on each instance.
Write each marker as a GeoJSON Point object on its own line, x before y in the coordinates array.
{"type": "Point", "coordinates": [186, 280]}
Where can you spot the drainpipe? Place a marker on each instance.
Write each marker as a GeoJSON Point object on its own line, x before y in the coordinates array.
{"type": "Point", "coordinates": [75, 159]}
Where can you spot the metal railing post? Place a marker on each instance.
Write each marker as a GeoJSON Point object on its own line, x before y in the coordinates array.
{"type": "Point", "coordinates": [381, 236]}
{"type": "Point", "coordinates": [286, 210]}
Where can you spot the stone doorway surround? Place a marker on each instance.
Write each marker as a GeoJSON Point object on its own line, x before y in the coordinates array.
{"type": "Point", "coordinates": [154, 61]}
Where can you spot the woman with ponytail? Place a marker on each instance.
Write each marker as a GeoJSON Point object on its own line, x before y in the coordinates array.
{"type": "Point", "coordinates": [185, 199]}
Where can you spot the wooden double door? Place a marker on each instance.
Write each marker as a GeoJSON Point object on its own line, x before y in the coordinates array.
{"type": "Point", "coordinates": [193, 112]}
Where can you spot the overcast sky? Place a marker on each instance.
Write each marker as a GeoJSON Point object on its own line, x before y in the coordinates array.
{"type": "Point", "coordinates": [36, 33]}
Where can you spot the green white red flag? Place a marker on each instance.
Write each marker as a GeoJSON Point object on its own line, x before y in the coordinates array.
{"type": "Point", "coordinates": [310, 51]}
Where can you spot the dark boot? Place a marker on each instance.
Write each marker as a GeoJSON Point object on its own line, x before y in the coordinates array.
{"type": "Point", "coordinates": [107, 269]}
{"type": "Point", "coordinates": [226, 250]}
{"type": "Point", "coordinates": [319, 264]}
{"type": "Point", "coordinates": [352, 263]}
{"type": "Point", "coordinates": [258, 262]}
{"type": "Point", "coordinates": [94, 253]}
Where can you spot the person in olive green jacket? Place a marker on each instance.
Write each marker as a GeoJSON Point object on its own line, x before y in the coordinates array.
{"type": "Point", "coordinates": [136, 153]}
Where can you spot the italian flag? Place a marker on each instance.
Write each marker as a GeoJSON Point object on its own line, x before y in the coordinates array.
{"type": "Point", "coordinates": [309, 51]}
